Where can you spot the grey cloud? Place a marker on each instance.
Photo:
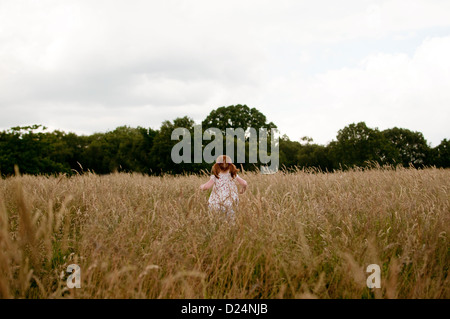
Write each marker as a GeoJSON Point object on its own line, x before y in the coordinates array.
{"type": "Point", "coordinates": [113, 86]}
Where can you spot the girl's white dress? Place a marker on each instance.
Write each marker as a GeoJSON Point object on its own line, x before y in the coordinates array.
{"type": "Point", "coordinates": [224, 196]}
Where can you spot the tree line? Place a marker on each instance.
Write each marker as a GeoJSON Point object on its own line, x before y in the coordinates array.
{"type": "Point", "coordinates": [145, 150]}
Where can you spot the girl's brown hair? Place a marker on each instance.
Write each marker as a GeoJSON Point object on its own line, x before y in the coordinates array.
{"type": "Point", "coordinates": [224, 164]}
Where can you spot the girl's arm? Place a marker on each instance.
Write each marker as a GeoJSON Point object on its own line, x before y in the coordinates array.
{"type": "Point", "coordinates": [207, 185]}
{"type": "Point", "coordinates": [243, 183]}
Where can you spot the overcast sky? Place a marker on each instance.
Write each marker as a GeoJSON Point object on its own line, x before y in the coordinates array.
{"type": "Point", "coordinates": [312, 67]}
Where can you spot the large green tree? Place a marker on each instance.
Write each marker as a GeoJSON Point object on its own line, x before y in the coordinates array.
{"type": "Point", "coordinates": [236, 116]}
{"type": "Point", "coordinates": [163, 144]}
{"type": "Point", "coordinates": [31, 149]}
{"type": "Point", "coordinates": [406, 147]}
{"type": "Point", "coordinates": [289, 151]}
{"type": "Point", "coordinates": [441, 154]}
{"type": "Point", "coordinates": [356, 145]}
{"type": "Point", "coordinates": [293, 153]}
{"type": "Point", "coordinates": [240, 117]}
{"type": "Point", "coordinates": [124, 149]}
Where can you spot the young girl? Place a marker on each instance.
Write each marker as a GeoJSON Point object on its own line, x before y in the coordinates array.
{"type": "Point", "coordinates": [224, 195]}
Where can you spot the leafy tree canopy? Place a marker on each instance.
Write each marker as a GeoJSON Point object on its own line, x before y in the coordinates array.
{"type": "Point", "coordinates": [236, 116]}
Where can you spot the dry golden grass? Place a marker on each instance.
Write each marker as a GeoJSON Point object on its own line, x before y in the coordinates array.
{"type": "Point", "coordinates": [298, 235]}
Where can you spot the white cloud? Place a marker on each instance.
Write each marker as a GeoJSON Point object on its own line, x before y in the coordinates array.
{"type": "Point", "coordinates": [385, 90]}
{"type": "Point", "coordinates": [93, 65]}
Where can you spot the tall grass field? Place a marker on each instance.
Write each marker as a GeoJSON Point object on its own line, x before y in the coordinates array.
{"type": "Point", "coordinates": [299, 234]}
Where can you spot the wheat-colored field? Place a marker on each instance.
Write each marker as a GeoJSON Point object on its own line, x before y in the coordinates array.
{"type": "Point", "coordinates": [303, 234]}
